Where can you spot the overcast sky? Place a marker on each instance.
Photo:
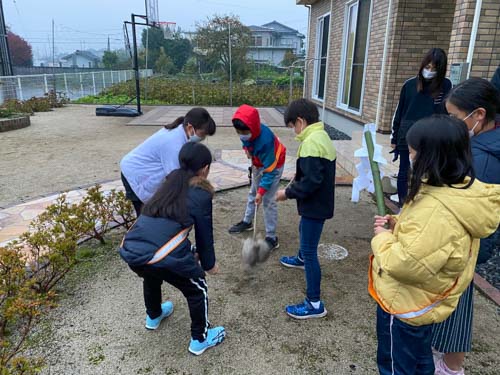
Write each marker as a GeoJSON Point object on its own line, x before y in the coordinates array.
{"type": "Point", "coordinates": [83, 24]}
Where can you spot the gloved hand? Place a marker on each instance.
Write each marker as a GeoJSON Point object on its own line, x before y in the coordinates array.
{"type": "Point", "coordinates": [396, 154]}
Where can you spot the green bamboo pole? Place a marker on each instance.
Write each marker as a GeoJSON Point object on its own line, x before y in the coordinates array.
{"type": "Point", "coordinates": [376, 175]}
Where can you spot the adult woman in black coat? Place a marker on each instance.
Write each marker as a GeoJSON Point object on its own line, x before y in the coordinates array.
{"type": "Point", "coordinates": [421, 96]}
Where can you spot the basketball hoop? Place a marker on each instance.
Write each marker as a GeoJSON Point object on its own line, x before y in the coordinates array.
{"type": "Point", "coordinates": [168, 29]}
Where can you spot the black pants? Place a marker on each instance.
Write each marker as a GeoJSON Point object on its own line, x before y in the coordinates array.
{"type": "Point", "coordinates": [404, 171]}
{"type": "Point", "coordinates": [195, 291]}
{"type": "Point", "coordinates": [131, 196]}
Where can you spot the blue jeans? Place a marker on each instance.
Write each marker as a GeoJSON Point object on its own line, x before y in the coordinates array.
{"type": "Point", "coordinates": [403, 349]}
{"type": "Point", "coordinates": [268, 201]}
{"type": "Point", "coordinates": [310, 233]}
{"type": "Point", "coordinates": [404, 170]}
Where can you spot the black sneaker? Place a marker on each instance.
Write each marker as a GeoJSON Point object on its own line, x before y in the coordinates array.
{"type": "Point", "coordinates": [240, 227]}
{"type": "Point", "coordinates": [273, 243]}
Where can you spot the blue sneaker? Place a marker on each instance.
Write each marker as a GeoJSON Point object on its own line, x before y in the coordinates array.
{"type": "Point", "coordinates": [166, 310]}
{"type": "Point", "coordinates": [292, 262]}
{"type": "Point", "coordinates": [214, 337]}
{"type": "Point", "coordinates": [305, 310]}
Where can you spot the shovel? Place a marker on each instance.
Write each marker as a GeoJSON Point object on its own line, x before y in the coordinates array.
{"type": "Point", "coordinates": [255, 249]}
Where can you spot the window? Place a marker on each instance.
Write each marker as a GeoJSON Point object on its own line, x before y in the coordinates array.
{"type": "Point", "coordinates": [257, 41]}
{"type": "Point", "coordinates": [322, 33]}
{"type": "Point", "coordinates": [354, 55]}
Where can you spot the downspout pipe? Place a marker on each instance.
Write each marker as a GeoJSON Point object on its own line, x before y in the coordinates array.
{"type": "Point", "coordinates": [473, 34]}
{"type": "Point", "coordinates": [306, 75]}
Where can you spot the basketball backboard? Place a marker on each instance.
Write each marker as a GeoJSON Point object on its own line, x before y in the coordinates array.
{"type": "Point", "coordinates": [152, 15]}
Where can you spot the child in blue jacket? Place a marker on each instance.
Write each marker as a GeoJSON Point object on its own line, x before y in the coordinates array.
{"type": "Point", "coordinates": [157, 247]}
{"type": "Point", "coordinates": [268, 154]}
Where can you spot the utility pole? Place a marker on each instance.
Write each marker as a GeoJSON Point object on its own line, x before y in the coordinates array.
{"type": "Point", "coordinates": [109, 46]}
{"type": "Point", "coordinates": [230, 68]}
{"type": "Point", "coordinates": [5, 60]}
{"type": "Point", "coordinates": [53, 59]}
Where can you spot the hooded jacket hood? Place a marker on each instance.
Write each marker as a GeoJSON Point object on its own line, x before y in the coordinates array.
{"type": "Point", "coordinates": [250, 117]}
{"type": "Point", "coordinates": [470, 205]}
{"type": "Point", "coordinates": [488, 142]}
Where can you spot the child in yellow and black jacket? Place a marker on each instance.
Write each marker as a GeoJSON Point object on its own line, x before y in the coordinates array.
{"type": "Point", "coordinates": [313, 188]}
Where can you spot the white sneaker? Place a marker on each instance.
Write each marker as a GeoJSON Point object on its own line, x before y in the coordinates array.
{"type": "Point", "coordinates": [442, 369]}
{"type": "Point", "coordinates": [395, 198]}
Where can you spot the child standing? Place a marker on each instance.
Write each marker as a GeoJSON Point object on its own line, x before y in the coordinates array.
{"type": "Point", "coordinates": [476, 102]}
{"type": "Point", "coordinates": [157, 247]}
{"type": "Point", "coordinates": [425, 260]}
{"type": "Point", "coordinates": [313, 188]}
{"type": "Point", "coordinates": [268, 154]}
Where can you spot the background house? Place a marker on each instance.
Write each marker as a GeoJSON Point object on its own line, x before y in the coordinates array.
{"type": "Point", "coordinates": [272, 40]}
{"type": "Point", "coordinates": [346, 44]}
{"type": "Point", "coordinates": [80, 59]}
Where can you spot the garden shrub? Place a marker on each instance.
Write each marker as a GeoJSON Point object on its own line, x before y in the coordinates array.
{"type": "Point", "coordinates": [31, 267]}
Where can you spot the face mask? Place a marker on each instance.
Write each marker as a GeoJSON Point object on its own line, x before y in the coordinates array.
{"type": "Point", "coordinates": [195, 138]}
{"type": "Point", "coordinates": [245, 137]}
{"type": "Point", "coordinates": [411, 163]}
{"type": "Point", "coordinates": [427, 74]}
{"type": "Point", "coordinates": [471, 131]}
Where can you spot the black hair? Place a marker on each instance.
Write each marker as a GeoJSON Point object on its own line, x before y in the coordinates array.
{"type": "Point", "coordinates": [199, 118]}
{"type": "Point", "coordinates": [240, 125]}
{"type": "Point", "coordinates": [302, 108]}
{"type": "Point", "coordinates": [476, 93]}
{"type": "Point", "coordinates": [169, 201]}
{"type": "Point", "coordinates": [438, 57]}
{"type": "Point", "coordinates": [443, 153]}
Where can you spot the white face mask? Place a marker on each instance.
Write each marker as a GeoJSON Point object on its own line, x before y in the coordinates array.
{"type": "Point", "coordinates": [471, 131]}
{"type": "Point", "coordinates": [195, 138]}
{"type": "Point", "coordinates": [428, 74]}
{"type": "Point", "coordinates": [245, 137]}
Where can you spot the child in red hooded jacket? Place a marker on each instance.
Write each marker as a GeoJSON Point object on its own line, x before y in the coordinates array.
{"type": "Point", "coordinates": [267, 153]}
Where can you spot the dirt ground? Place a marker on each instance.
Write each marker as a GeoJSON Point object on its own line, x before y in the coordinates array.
{"type": "Point", "coordinates": [98, 327]}
{"type": "Point", "coordinates": [72, 147]}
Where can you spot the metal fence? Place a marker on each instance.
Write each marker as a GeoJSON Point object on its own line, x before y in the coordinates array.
{"type": "Point", "coordinates": [73, 85]}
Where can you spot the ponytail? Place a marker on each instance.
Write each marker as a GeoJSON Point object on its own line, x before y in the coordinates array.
{"type": "Point", "coordinates": [169, 201]}
{"type": "Point", "coordinates": [178, 121]}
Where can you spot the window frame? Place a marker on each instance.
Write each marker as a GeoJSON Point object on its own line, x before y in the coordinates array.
{"type": "Point", "coordinates": [317, 52]}
{"type": "Point", "coordinates": [345, 34]}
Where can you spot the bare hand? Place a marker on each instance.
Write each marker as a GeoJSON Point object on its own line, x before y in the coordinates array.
{"type": "Point", "coordinates": [393, 146]}
{"type": "Point", "coordinates": [280, 195]}
{"type": "Point", "coordinates": [258, 199]}
{"type": "Point", "coordinates": [381, 221]}
{"type": "Point", "coordinates": [214, 270]}
{"type": "Point", "coordinates": [378, 230]}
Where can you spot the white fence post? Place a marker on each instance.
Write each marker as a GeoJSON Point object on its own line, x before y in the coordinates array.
{"type": "Point", "coordinates": [112, 80]}
{"type": "Point", "coordinates": [103, 81]}
{"type": "Point", "coordinates": [81, 85]}
{"type": "Point", "coordinates": [46, 84]}
{"type": "Point", "coordinates": [20, 88]}
{"type": "Point", "coordinates": [66, 84]}
{"type": "Point", "coordinates": [93, 83]}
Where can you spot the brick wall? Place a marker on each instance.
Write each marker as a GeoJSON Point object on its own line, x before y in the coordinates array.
{"type": "Point", "coordinates": [416, 26]}
{"type": "Point", "coordinates": [486, 56]}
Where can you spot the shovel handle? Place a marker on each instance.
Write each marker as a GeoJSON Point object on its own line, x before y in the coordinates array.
{"type": "Point", "coordinates": [255, 222]}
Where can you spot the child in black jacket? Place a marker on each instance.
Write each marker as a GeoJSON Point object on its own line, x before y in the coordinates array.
{"type": "Point", "coordinates": [314, 189]}
{"type": "Point", "coordinates": [157, 247]}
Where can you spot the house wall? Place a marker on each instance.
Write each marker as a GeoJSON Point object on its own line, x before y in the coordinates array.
{"type": "Point", "coordinates": [416, 26]}
{"type": "Point", "coordinates": [273, 56]}
{"type": "Point", "coordinates": [486, 57]}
